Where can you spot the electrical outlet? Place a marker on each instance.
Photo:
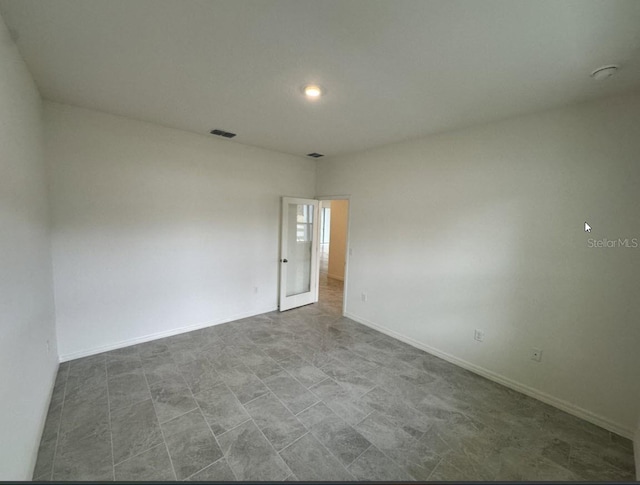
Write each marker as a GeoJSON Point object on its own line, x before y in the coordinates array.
{"type": "Point", "coordinates": [255, 290]}
{"type": "Point", "coordinates": [478, 335]}
{"type": "Point", "coordinates": [364, 296]}
{"type": "Point", "coordinates": [536, 354]}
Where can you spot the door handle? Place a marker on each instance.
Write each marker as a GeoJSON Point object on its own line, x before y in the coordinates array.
{"type": "Point", "coordinates": [284, 260]}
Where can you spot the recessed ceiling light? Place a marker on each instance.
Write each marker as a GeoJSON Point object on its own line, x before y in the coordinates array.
{"type": "Point", "coordinates": [604, 72]}
{"type": "Point", "coordinates": [312, 91]}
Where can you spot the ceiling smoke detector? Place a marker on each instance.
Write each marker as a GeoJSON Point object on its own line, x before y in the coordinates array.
{"type": "Point", "coordinates": [604, 72]}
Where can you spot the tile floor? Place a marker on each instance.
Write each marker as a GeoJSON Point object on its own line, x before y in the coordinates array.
{"type": "Point", "coordinates": [306, 395]}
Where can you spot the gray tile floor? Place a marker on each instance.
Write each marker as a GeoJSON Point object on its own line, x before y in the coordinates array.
{"type": "Point", "coordinates": [306, 395]}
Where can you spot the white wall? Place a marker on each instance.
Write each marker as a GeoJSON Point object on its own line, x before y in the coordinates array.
{"type": "Point", "coordinates": [338, 241]}
{"type": "Point", "coordinates": [157, 229]}
{"type": "Point", "coordinates": [483, 228]}
{"type": "Point", "coordinates": [27, 369]}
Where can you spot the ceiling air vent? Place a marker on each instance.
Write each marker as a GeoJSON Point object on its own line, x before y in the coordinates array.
{"type": "Point", "coordinates": [315, 155]}
{"type": "Point", "coordinates": [226, 134]}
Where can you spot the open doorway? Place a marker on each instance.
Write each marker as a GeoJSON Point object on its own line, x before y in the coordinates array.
{"type": "Point", "coordinates": [332, 254]}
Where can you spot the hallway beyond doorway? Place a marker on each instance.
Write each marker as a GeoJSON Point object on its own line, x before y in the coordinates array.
{"type": "Point", "coordinates": [332, 253]}
{"type": "Point", "coordinates": [331, 291]}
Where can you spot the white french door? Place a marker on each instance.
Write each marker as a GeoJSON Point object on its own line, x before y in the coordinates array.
{"type": "Point", "coordinates": [298, 253]}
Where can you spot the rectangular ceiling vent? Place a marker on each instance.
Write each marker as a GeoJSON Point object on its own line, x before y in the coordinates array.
{"type": "Point", "coordinates": [226, 134]}
{"type": "Point", "coordinates": [315, 155]}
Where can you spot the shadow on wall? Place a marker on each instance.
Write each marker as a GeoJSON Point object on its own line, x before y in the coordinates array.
{"type": "Point", "coordinates": [487, 267]}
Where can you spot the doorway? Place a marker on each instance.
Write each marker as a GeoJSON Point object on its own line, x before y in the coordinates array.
{"type": "Point", "coordinates": [332, 254]}
{"type": "Point", "coordinates": [313, 253]}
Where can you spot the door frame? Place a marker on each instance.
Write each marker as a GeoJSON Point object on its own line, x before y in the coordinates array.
{"type": "Point", "coordinates": [347, 256]}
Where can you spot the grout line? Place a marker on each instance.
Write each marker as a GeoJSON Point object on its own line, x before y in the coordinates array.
{"type": "Point", "coordinates": [328, 450]}
{"type": "Point", "coordinates": [309, 407]}
{"type": "Point", "coordinates": [256, 398]}
{"type": "Point", "coordinates": [175, 417]}
{"type": "Point", "coordinates": [137, 454]}
{"type": "Point", "coordinates": [274, 449]}
{"type": "Point", "coordinates": [227, 462]}
{"type": "Point", "coordinates": [331, 452]}
{"type": "Point", "coordinates": [231, 429]}
{"type": "Point", "coordinates": [164, 440]}
{"type": "Point", "coordinates": [360, 422]}
{"type": "Point", "coordinates": [316, 385]}
{"type": "Point", "coordinates": [224, 457]}
{"type": "Point", "coordinates": [300, 382]}
{"type": "Point", "coordinates": [400, 465]}
{"type": "Point", "coordinates": [294, 441]}
{"type": "Point", "coordinates": [356, 458]}
{"type": "Point", "coordinates": [283, 403]}
{"type": "Point", "coordinates": [258, 427]}
{"type": "Point", "coordinates": [434, 468]}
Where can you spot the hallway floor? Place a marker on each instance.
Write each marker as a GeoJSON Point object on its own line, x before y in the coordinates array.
{"type": "Point", "coordinates": [306, 395]}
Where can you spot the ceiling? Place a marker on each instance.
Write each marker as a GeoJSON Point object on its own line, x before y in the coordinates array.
{"type": "Point", "coordinates": [392, 70]}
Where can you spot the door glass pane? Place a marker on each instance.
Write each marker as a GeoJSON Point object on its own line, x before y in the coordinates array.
{"type": "Point", "coordinates": [300, 236]}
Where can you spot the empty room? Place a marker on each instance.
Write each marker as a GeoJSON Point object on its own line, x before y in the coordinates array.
{"type": "Point", "coordinates": [336, 240]}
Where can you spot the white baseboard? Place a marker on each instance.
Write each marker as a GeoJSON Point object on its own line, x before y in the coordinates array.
{"type": "Point", "coordinates": [335, 277]}
{"type": "Point", "coordinates": [155, 336]}
{"type": "Point", "coordinates": [505, 381]}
